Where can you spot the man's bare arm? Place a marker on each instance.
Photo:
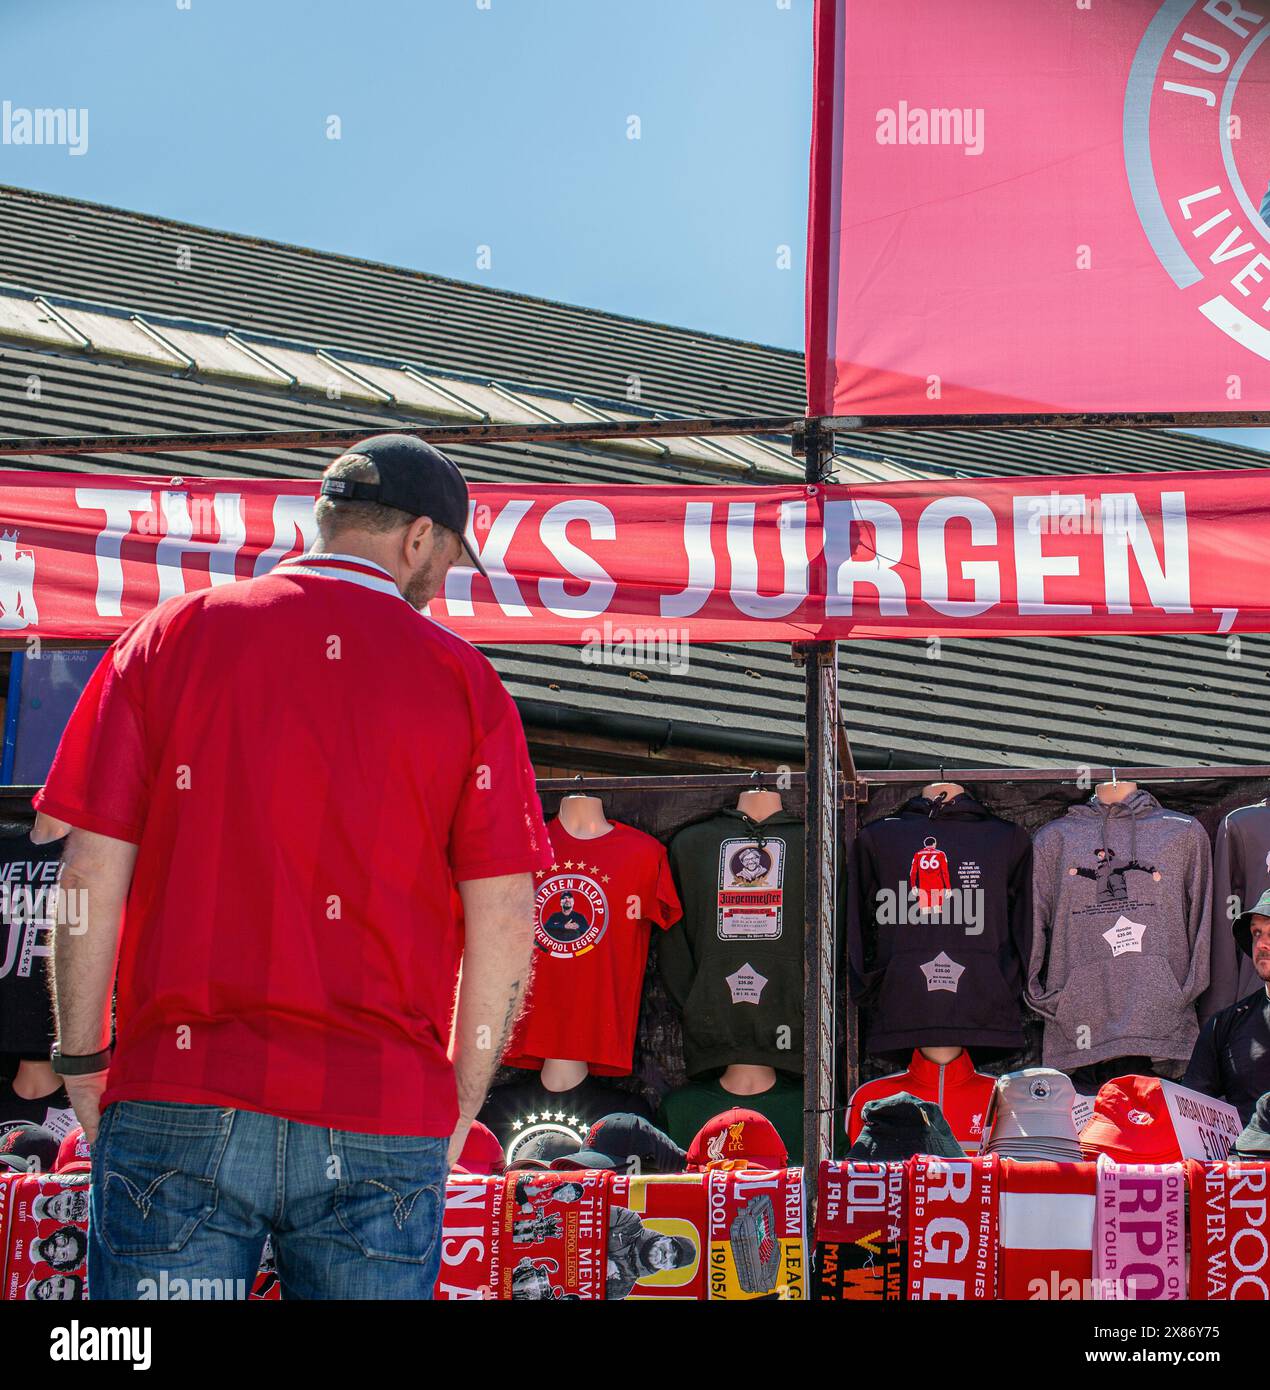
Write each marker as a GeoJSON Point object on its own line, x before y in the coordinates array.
{"type": "Point", "coordinates": [499, 934]}
{"type": "Point", "coordinates": [96, 873]}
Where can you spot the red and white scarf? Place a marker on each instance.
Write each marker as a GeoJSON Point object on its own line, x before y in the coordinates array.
{"type": "Point", "coordinates": [952, 1227]}
{"type": "Point", "coordinates": [1230, 1235]}
{"type": "Point", "coordinates": [1140, 1237]}
{"type": "Point", "coordinates": [1047, 1230]}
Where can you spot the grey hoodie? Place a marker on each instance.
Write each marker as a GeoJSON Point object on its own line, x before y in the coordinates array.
{"type": "Point", "coordinates": [1241, 873]}
{"type": "Point", "coordinates": [1121, 897]}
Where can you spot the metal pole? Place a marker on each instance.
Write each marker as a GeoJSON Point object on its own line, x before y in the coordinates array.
{"type": "Point", "coordinates": [1084, 775]}
{"type": "Point", "coordinates": [853, 807]}
{"type": "Point", "coordinates": [243, 441]}
{"type": "Point", "coordinates": [1039, 420]}
{"type": "Point", "coordinates": [820, 667]}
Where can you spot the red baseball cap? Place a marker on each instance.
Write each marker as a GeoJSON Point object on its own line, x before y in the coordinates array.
{"type": "Point", "coordinates": [72, 1153]}
{"type": "Point", "coordinates": [737, 1136]}
{"type": "Point", "coordinates": [482, 1153]}
{"type": "Point", "coordinates": [1131, 1123]}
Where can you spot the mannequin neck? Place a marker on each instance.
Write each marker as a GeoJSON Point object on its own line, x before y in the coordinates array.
{"type": "Point", "coordinates": [759, 805]}
{"type": "Point", "coordinates": [560, 1074]}
{"type": "Point", "coordinates": [1109, 793]}
{"type": "Point", "coordinates": [35, 1080]}
{"type": "Point", "coordinates": [948, 790]}
{"type": "Point", "coordinates": [583, 816]}
{"type": "Point", "coordinates": [746, 1079]}
{"type": "Point", "coordinates": [940, 1056]}
{"type": "Point", "coordinates": [47, 829]}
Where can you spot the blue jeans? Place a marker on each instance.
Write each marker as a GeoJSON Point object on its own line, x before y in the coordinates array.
{"type": "Point", "coordinates": [183, 1197]}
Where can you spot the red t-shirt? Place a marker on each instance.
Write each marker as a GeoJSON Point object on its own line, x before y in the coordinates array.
{"type": "Point", "coordinates": [307, 766]}
{"type": "Point", "coordinates": [593, 913]}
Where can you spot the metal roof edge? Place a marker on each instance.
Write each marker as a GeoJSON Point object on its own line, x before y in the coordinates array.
{"type": "Point", "coordinates": [246, 239]}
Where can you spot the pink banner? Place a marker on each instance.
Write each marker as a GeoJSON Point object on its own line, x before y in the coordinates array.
{"type": "Point", "coordinates": [636, 573]}
{"type": "Point", "coordinates": [1043, 206]}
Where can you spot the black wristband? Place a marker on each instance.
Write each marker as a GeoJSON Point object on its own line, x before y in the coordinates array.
{"type": "Point", "coordinates": [83, 1065]}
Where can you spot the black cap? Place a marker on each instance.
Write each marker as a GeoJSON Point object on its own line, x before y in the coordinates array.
{"type": "Point", "coordinates": [538, 1150]}
{"type": "Point", "coordinates": [617, 1139]}
{"type": "Point", "coordinates": [413, 477]}
{"type": "Point", "coordinates": [32, 1145]}
{"type": "Point", "coordinates": [898, 1126]}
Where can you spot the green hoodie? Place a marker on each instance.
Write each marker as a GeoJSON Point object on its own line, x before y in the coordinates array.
{"type": "Point", "coordinates": [734, 964]}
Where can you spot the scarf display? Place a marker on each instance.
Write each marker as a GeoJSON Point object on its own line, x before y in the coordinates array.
{"type": "Point", "coordinates": [1230, 1235]}
{"type": "Point", "coordinates": [861, 1249]}
{"type": "Point", "coordinates": [1140, 1232]}
{"type": "Point", "coordinates": [1047, 1230]}
{"type": "Point", "coordinates": [952, 1227]}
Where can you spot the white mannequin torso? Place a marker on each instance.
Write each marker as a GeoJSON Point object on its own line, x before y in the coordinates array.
{"type": "Point", "coordinates": [583, 816]}
{"type": "Point", "coordinates": [947, 789]}
{"type": "Point", "coordinates": [758, 804]}
{"type": "Point", "coordinates": [562, 1074]}
{"type": "Point", "coordinates": [1109, 793]}
{"type": "Point", "coordinates": [747, 1079]}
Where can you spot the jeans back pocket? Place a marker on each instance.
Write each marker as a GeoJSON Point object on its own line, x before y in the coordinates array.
{"type": "Point", "coordinates": [156, 1168]}
{"type": "Point", "coordinates": [388, 1193]}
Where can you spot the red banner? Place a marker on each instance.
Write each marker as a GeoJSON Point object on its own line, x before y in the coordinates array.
{"type": "Point", "coordinates": [1042, 206]}
{"type": "Point", "coordinates": [1230, 1230]}
{"type": "Point", "coordinates": [633, 574]}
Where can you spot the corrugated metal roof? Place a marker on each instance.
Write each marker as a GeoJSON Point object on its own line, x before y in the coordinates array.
{"type": "Point", "coordinates": [217, 353]}
{"type": "Point", "coordinates": [1021, 701]}
{"type": "Point", "coordinates": [69, 247]}
{"type": "Point", "coordinates": [61, 246]}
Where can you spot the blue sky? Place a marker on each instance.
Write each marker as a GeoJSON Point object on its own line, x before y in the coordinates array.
{"type": "Point", "coordinates": [463, 123]}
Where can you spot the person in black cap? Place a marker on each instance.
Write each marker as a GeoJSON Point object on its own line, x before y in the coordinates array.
{"type": "Point", "coordinates": [349, 887]}
{"type": "Point", "coordinates": [397, 473]}
{"type": "Point", "coordinates": [1231, 1060]}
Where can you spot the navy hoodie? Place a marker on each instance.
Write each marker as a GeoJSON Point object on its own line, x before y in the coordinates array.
{"type": "Point", "coordinates": [939, 923]}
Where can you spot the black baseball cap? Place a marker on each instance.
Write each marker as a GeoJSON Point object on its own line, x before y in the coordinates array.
{"type": "Point", "coordinates": [33, 1146]}
{"type": "Point", "coordinates": [413, 477]}
{"type": "Point", "coordinates": [540, 1149]}
{"type": "Point", "coordinates": [617, 1139]}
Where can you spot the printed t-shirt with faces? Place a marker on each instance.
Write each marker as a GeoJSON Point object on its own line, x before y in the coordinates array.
{"type": "Point", "coordinates": [593, 913]}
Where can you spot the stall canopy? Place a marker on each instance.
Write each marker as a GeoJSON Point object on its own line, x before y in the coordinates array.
{"type": "Point", "coordinates": [82, 556]}
{"type": "Point", "coordinates": [1039, 207]}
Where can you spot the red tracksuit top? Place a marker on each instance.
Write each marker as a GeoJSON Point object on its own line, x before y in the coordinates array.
{"type": "Point", "coordinates": [960, 1092]}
